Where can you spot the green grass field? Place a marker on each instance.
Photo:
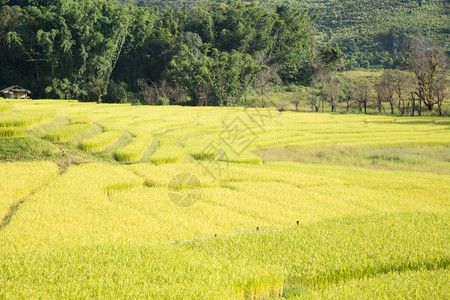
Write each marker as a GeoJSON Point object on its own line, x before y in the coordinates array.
{"type": "Point", "coordinates": [118, 201]}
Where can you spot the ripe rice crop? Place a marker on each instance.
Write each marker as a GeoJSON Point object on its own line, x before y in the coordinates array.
{"type": "Point", "coordinates": [18, 179]}
{"type": "Point", "coordinates": [100, 141]}
{"type": "Point", "coordinates": [201, 149]}
{"type": "Point", "coordinates": [66, 132]}
{"type": "Point", "coordinates": [134, 150]}
{"type": "Point", "coordinates": [405, 284]}
{"type": "Point", "coordinates": [6, 107]}
{"type": "Point", "coordinates": [26, 118]}
{"type": "Point", "coordinates": [161, 175]}
{"type": "Point", "coordinates": [168, 151]}
{"type": "Point", "coordinates": [250, 230]}
{"type": "Point", "coordinates": [80, 118]}
{"type": "Point", "coordinates": [245, 156]}
{"type": "Point", "coordinates": [11, 132]}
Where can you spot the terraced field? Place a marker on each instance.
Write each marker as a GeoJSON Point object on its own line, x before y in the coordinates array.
{"type": "Point", "coordinates": [119, 201]}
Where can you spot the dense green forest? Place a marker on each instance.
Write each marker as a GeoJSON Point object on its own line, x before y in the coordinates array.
{"type": "Point", "coordinates": [370, 33]}
{"type": "Point", "coordinates": [205, 52]}
{"type": "Point", "coordinates": [102, 50]}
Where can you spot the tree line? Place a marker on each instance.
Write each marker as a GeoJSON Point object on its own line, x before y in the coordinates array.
{"type": "Point", "coordinates": [97, 50]}
{"type": "Point", "coordinates": [420, 85]}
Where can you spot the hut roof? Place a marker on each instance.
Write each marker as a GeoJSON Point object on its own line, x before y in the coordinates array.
{"type": "Point", "coordinates": [15, 88]}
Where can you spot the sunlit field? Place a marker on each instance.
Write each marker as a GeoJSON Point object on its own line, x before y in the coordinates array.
{"type": "Point", "coordinates": [166, 202]}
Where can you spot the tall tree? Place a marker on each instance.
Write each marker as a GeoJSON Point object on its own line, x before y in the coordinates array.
{"type": "Point", "coordinates": [362, 95]}
{"type": "Point", "coordinates": [428, 63]}
{"type": "Point", "coordinates": [401, 80]}
{"type": "Point", "coordinates": [268, 74]}
{"type": "Point", "coordinates": [347, 91]}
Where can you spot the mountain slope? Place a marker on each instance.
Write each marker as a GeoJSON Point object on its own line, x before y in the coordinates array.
{"type": "Point", "coordinates": [370, 32]}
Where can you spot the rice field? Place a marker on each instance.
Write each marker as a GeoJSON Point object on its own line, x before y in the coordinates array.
{"type": "Point", "coordinates": [134, 150]}
{"type": "Point", "coordinates": [26, 119]}
{"type": "Point", "coordinates": [66, 132]}
{"type": "Point", "coordinates": [11, 132]}
{"type": "Point", "coordinates": [223, 203]}
{"type": "Point", "coordinates": [20, 179]}
{"type": "Point", "coordinates": [101, 141]}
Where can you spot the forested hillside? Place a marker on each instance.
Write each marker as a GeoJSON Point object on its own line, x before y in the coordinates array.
{"type": "Point", "coordinates": [208, 52]}
{"type": "Point", "coordinates": [370, 33]}
{"type": "Point", "coordinates": [104, 51]}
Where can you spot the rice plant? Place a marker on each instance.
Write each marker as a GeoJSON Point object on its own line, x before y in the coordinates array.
{"type": "Point", "coordinates": [26, 118]}
{"type": "Point", "coordinates": [278, 229]}
{"type": "Point", "coordinates": [21, 178]}
{"type": "Point", "coordinates": [135, 150]}
{"type": "Point", "coordinates": [79, 118]}
{"type": "Point", "coordinates": [66, 132]}
{"type": "Point", "coordinates": [6, 107]}
{"type": "Point", "coordinates": [100, 141]}
{"type": "Point", "coordinates": [202, 149]}
{"type": "Point", "coordinates": [168, 151]}
{"type": "Point", "coordinates": [11, 132]}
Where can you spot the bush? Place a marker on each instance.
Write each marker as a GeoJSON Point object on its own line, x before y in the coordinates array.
{"type": "Point", "coordinates": [162, 101]}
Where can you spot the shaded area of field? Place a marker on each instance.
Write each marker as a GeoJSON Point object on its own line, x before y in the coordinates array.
{"type": "Point", "coordinates": [420, 158]}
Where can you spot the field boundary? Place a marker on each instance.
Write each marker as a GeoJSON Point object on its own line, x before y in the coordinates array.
{"type": "Point", "coordinates": [15, 206]}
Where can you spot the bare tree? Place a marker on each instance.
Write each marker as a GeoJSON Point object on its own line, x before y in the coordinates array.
{"type": "Point", "coordinates": [412, 100]}
{"type": "Point", "coordinates": [296, 102]}
{"type": "Point", "coordinates": [203, 94]}
{"type": "Point", "coordinates": [400, 80]}
{"type": "Point", "coordinates": [388, 82]}
{"type": "Point", "coordinates": [175, 93]}
{"type": "Point", "coordinates": [427, 64]}
{"type": "Point", "coordinates": [362, 95]}
{"type": "Point", "coordinates": [381, 94]}
{"type": "Point", "coordinates": [385, 90]}
{"type": "Point", "coordinates": [333, 93]}
{"type": "Point", "coordinates": [282, 105]}
{"type": "Point", "coordinates": [314, 99]}
{"type": "Point", "coordinates": [148, 92]}
{"type": "Point", "coordinates": [440, 90]}
{"type": "Point", "coordinates": [346, 91]}
{"type": "Point", "coordinates": [267, 75]}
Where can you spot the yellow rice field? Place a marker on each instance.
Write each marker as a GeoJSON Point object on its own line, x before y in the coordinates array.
{"type": "Point", "coordinates": [175, 202]}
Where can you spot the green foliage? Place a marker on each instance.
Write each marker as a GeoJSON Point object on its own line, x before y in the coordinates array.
{"type": "Point", "coordinates": [372, 33]}
{"type": "Point", "coordinates": [72, 47]}
{"type": "Point", "coordinates": [23, 148]}
{"type": "Point", "coordinates": [162, 101]}
{"type": "Point", "coordinates": [333, 58]}
{"type": "Point", "coordinates": [99, 50]}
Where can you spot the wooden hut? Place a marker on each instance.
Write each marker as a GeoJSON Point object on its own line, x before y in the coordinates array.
{"type": "Point", "coordinates": [15, 92]}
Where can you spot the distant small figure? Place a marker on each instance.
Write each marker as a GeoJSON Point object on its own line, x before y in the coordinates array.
{"type": "Point", "coordinates": [298, 223]}
{"type": "Point", "coordinates": [257, 228]}
{"type": "Point", "coordinates": [215, 235]}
